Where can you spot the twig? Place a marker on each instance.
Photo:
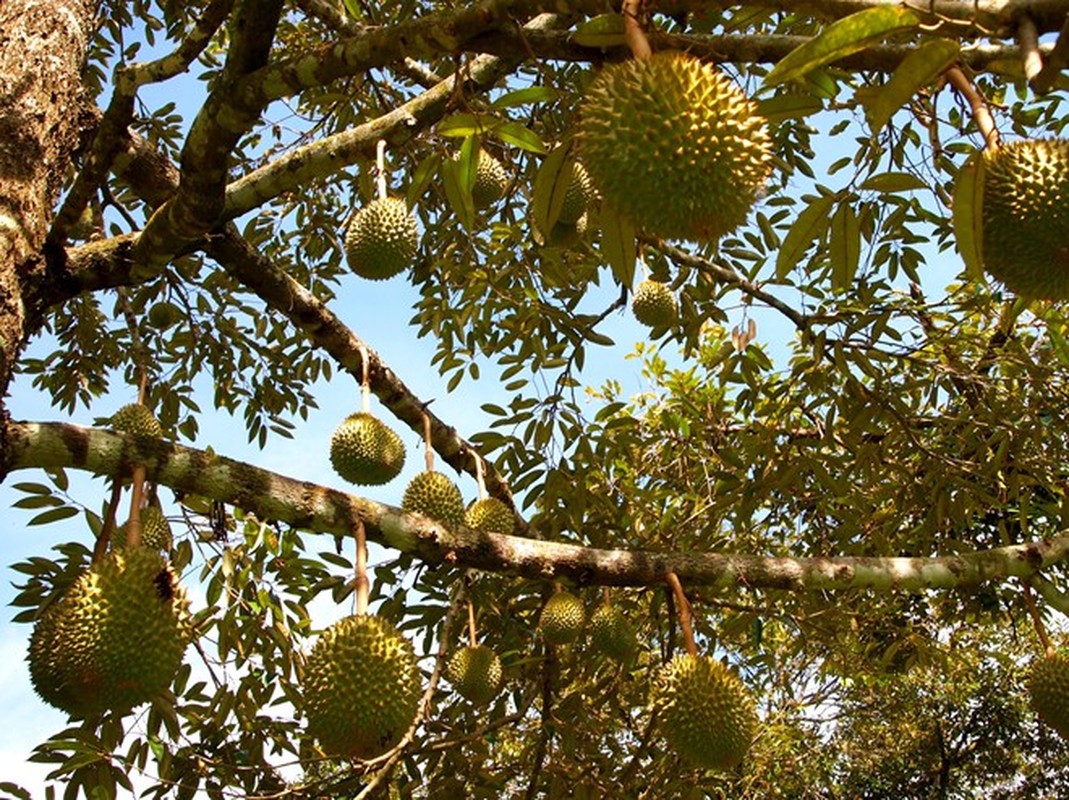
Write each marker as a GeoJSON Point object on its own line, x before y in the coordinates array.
{"type": "Point", "coordinates": [1028, 40]}
{"type": "Point", "coordinates": [1057, 60]}
{"type": "Point", "coordinates": [981, 114]}
{"type": "Point", "coordinates": [683, 611]}
{"type": "Point", "coordinates": [1037, 620]}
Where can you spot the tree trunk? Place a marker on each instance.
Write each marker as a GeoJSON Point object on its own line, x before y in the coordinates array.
{"type": "Point", "coordinates": [43, 45]}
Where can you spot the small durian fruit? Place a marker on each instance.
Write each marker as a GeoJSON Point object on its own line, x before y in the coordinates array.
{"type": "Point", "coordinates": [654, 305]}
{"type": "Point", "coordinates": [612, 633]}
{"type": "Point", "coordinates": [562, 618]}
{"type": "Point", "coordinates": [361, 687]}
{"type": "Point", "coordinates": [136, 419]}
{"type": "Point", "coordinates": [673, 144]}
{"type": "Point", "coordinates": [1026, 217]}
{"type": "Point", "coordinates": [578, 197]}
{"type": "Point", "coordinates": [434, 495]}
{"type": "Point", "coordinates": [1048, 690]}
{"type": "Point", "coordinates": [475, 673]}
{"type": "Point", "coordinates": [382, 239]}
{"type": "Point", "coordinates": [491, 181]}
{"type": "Point", "coordinates": [704, 711]}
{"type": "Point", "coordinates": [155, 531]}
{"type": "Point", "coordinates": [490, 515]}
{"type": "Point", "coordinates": [365, 451]}
{"type": "Point", "coordinates": [115, 639]}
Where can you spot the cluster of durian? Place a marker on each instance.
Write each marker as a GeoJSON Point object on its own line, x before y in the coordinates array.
{"type": "Point", "coordinates": [563, 620]}
{"type": "Point", "coordinates": [1025, 217]}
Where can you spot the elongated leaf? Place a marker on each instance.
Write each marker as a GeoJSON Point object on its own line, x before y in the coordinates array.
{"type": "Point", "coordinates": [550, 184]}
{"type": "Point", "coordinates": [54, 515]}
{"type": "Point", "coordinates": [893, 182]}
{"type": "Point", "coordinates": [841, 38]}
{"type": "Point", "coordinates": [526, 96]}
{"type": "Point", "coordinates": [789, 106]}
{"type": "Point", "coordinates": [968, 214]}
{"type": "Point", "coordinates": [618, 245]}
{"type": "Point", "coordinates": [809, 225]}
{"type": "Point", "coordinates": [604, 30]}
{"type": "Point", "coordinates": [522, 137]}
{"type": "Point", "coordinates": [916, 71]}
{"type": "Point", "coordinates": [467, 124]}
{"type": "Point", "coordinates": [844, 247]}
{"type": "Point", "coordinates": [458, 176]}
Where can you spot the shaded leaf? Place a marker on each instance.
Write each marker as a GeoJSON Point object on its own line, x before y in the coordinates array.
{"type": "Point", "coordinates": [893, 182]}
{"type": "Point", "coordinates": [968, 214]}
{"type": "Point", "coordinates": [844, 247]}
{"type": "Point", "coordinates": [604, 30]}
{"type": "Point", "coordinates": [917, 70]}
{"type": "Point", "coordinates": [809, 225]}
{"type": "Point", "coordinates": [618, 245]}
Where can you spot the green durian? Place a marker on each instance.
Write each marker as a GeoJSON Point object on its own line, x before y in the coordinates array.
{"type": "Point", "coordinates": [491, 515]}
{"type": "Point", "coordinates": [704, 711]}
{"type": "Point", "coordinates": [116, 637]}
{"type": "Point", "coordinates": [1048, 691]}
{"type": "Point", "coordinates": [612, 633]}
{"type": "Point", "coordinates": [491, 181]}
{"type": "Point", "coordinates": [155, 531]}
{"type": "Point", "coordinates": [672, 144]}
{"type": "Point", "coordinates": [136, 419]}
{"type": "Point", "coordinates": [562, 618]}
{"type": "Point", "coordinates": [475, 673]}
{"type": "Point", "coordinates": [382, 239]}
{"type": "Point", "coordinates": [365, 451]}
{"type": "Point", "coordinates": [578, 197]}
{"type": "Point", "coordinates": [654, 305]}
{"type": "Point", "coordinates": [434, 495]}
{"type": "Point", "coordinates": [361, 687]}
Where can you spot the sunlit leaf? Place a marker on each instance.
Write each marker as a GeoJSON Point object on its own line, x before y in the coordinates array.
{"type": "Point", "coordinates": [968, 214]}
{"type": "Point", "coordinates": [604, 30]}
{"type": "Point", "coordinates": [844, 247]}
{"type": "Point", "coordinates": [810, 224]}
{"type": "Point", "coordinates": [917, 70]}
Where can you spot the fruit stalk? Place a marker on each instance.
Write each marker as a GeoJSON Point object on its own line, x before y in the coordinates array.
{"type": "Point", "coordinates": [363, 585]}
{"type": "Point", "coordinates": [981, 114]}
{"type": "Point", "coordinates": [685, 616]}
{"type": "Point", "coordinates": [1037, 621]}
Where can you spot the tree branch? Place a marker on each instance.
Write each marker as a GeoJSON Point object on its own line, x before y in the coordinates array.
{"type": "Point", "coordinates": [317, 508]}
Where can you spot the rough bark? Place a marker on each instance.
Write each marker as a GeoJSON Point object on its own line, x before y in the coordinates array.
{"type": "Point", "coordinates": [42, 114]}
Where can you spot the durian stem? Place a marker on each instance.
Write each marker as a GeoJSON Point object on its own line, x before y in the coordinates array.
{"type": "Point", "coordinates": [365, 383]}
{"type": "Point", "coordinates": [636, 37]}
{"type": "Point", "coordinates": [363, 586]}
{"type": "Point", "coordinates": [137, 493]}
{"type": "Point", "coordinates": [428, 453]}
{"type": "Point", "coordinates": [606, 595]}
{"type": "Point", "coordinates": [480, 480]}
{"type": "Point", "coordinates": [380, 167]}
{"type": "Point", "coordinates": [683, 612]}
{"type": "Point", "coordinates": [471, 624]}
{"type": "Point", "coordinates": [981, 114]}
{"type": "Point", "coordinates": [1037, 621]}
{"type": "Point", "coordinates": [101, 546]}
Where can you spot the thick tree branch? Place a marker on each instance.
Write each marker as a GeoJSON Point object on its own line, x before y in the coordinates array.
{"type": "Point", "coordinates": [317, 508]}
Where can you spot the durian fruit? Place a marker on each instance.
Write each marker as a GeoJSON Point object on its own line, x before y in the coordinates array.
{"type": "Point", "coordinates": [155, 531]}
{"type": "Point", "coordinates": [361, 687]}
{"type": "Point", "coordinates": [490, 515]}
{"type": "Point", "coordinates": [654, 305]}
{"type": "Point", "coordinates": [562, 618]}
{"type": "Point", "coordinates": [115, 639]}
{"type": "Point", "coordinates": [1048, 690]}
{"type": "Point", "coordinates": [491, 181]}
{"type": "Point", "coordinates": [475, 673]}
{"type": "Point", "coordinates": [365, 451]}
{"type": "Point", "coordinates": [674, 145]}
{"type": "Point", "coordinates": [612, 633]}
{"type": "Point", "coordinates": [382, 239]}
{"type": "Point", "coordinates": [704, 711]}
{"type": "Point", "coordinates": [578, 197]}
{"type": "Point", "coordinates": [136, 419]}
{"type": "Point", "coordinates": [1026, 217]}
{"type": "Point", "coordinates": [434, 495]}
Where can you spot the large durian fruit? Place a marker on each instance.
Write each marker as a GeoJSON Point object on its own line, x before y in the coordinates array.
{"type": "Point", "coordinates": [1048, 690]}
{"type": "Point", "coordinates": [475, 673]}
{"type": "Point", "coordinates": [382, 239]}
{"type": "Point", "coordinates": [136, 419]}
{"type": "Point", "coordinates": [704, 711]}
{"type": "Point", "coordinates": [365, 451]}
{"type": "Point", "coordinates": [361, 687]}
{"type": "Point", "coordinates": [491, 181]}
{"type": "Point", "coordinates": [562, 618]}
{"type": "Point", "coordinates": [434, 495]}
{"type": "Point", "coordinates": [674, 145]}
{"type": "Point", "coordinates": [1026, 217]}
{"type": "Point", "coordinates": [116, 637]}
{"type": "Point", "coordinates": [612, 633]}
{"type": "Point", "coordinates": [490, 515]}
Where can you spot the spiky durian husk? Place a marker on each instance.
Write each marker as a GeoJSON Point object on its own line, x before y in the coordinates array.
{"type": "Point", "coordinates": [155, 531]}
{"type": "Point", "coordinates": [704, 711]}
{"type": "Point", "coordinates": [475, 673]}
{"type": "Point", "coordinates": [491, 181]}
{"type": "Point", "coordinates": [562, 618]}
{"type": "Point", "coordinates": [363, 450]}
{"type": "Point", "coordinates": [612, 633]}
{"type": "Point", "coordinates": [137, 419]}
{"type": "Point", "coordinates": [434, 495]}
{"type": "Point", "coordinates": [674, 145]}
{"type": "Point", "coordinates": [1048, 690]}
{"type": "Point", "coordinates": [361, 687]}
{"type": "Point", "coordinates": [1026, 217]}
{"type": "Point", "coordinates": [654, 305]}
{"type": "Point", "coordinates": [491, 515]}
{"type": "Point", "coordinates": [382, 239]}
{"type": "Point", "coordinates": [578, 196]}
{"type": "Point", "coordinates": [116, 637]}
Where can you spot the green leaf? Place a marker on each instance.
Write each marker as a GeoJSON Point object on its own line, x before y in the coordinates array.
{"type": "Point", "coordinates": [968, 214]}
{"type": "Point", "coordinates": [422, 176]}
{"type": "Point", "coordinates": [789, 106]}
{"type": "Point", "coordinates": [917, 70]}
{"type": "Point", "coordinates": [550, 185]}
{"type": "Point", "coordinates": [458, 176]}
{"type": "Point", "coordinates": [841, 38]}
{"type": "Point", "coordinates": [844, 247]}
{"type": "Point", "coordinates": [604, 30]}
{"type": "Point", "coordinates": [467, 124]}
{"type": "Point", "coordinates": [526, 96]}
{"type": "Point", "coordinates": [809, 225]}
{"type": "Point", "coordinates": [522, 137]}
{"type": "Point", "coordinates": [353, 7]}
{"type": "Point", "coordinates": [618, 245]}
{"type": "Point", "coordinates": [894, 182]}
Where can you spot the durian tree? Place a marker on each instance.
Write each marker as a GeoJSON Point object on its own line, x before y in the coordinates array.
{"type": "Point", "coordinates": [769, 498]}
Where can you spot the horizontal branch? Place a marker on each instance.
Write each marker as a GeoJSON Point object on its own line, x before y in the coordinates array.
{"type": "Point", "coordinates": [310, 506]}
